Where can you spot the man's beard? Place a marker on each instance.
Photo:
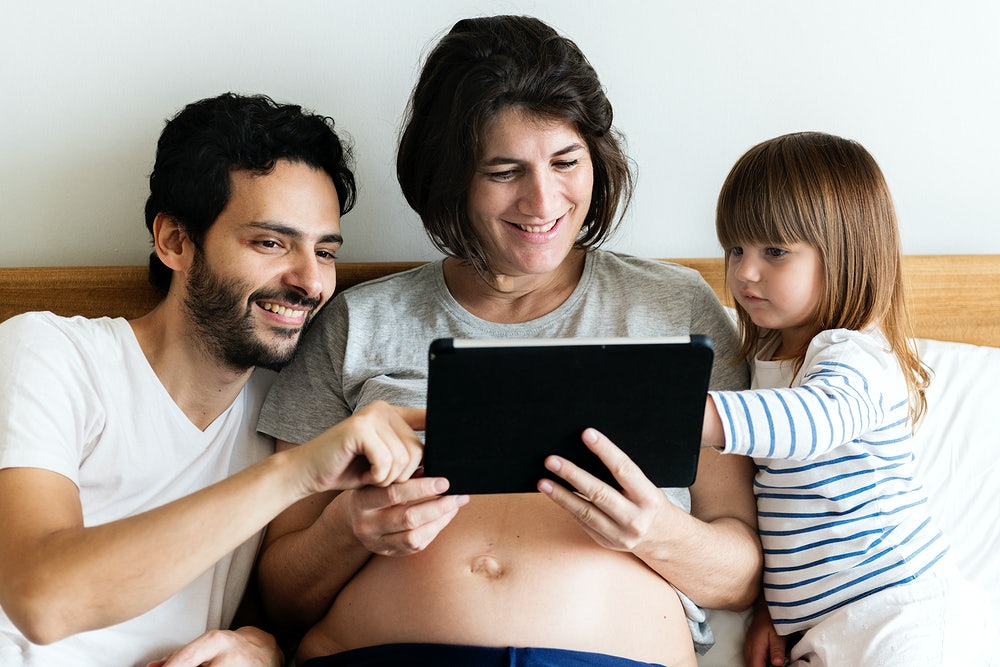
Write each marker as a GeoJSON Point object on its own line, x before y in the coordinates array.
{"type": "Point", "coordinates": [225, 323]}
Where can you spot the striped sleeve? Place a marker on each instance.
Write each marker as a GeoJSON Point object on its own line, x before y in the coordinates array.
{"type": "Point", "coordinates": [841, 395]}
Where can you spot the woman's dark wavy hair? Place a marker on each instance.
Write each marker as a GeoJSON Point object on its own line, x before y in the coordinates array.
{"type": "Point", "coordinates": [208, 139]}
{"type": "Point", "coordinates": [480, 68]}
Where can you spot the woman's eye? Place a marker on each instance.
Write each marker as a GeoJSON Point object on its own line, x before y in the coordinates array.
{"type": "Point", "coordinates": [567, 164]}
{"type": "Point", "coordinates": [502, 175]}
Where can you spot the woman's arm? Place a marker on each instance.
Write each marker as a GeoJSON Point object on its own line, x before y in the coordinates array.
{"type": "Point", "coordinates": [314, 548]}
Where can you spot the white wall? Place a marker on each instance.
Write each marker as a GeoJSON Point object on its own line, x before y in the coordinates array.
{"type": "Point", "coordinates": [85, 88]}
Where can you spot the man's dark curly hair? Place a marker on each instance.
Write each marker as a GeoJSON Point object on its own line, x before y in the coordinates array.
{"type": "Point", "coordinates": [209, 139]}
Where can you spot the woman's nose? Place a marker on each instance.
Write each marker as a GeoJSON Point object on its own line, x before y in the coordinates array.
{"type": "Point", "coordinates": [540, 197]}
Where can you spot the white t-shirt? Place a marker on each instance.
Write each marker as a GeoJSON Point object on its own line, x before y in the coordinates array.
{"type": "Point", "coordinates": [78, 397]}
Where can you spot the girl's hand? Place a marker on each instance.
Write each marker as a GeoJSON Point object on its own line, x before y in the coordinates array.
{"type": "Point", "coordinates": [763, 645]}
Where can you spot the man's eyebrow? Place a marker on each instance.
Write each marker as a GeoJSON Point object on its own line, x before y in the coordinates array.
{"type": "Point", "coordinates": [291, 232]}
{"type": "Point", "coordinates": [498, 160]}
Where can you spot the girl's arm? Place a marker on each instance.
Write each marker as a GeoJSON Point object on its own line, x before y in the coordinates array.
{"type": "Point", "coordinates": [850, 385]}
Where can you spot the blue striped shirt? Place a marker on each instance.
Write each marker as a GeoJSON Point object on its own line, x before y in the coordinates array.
{"type": "Point", "coordinates": [841, 515]}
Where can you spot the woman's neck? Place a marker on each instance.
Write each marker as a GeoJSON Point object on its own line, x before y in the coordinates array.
{"type": "Point", "coordinates": [513, 299]}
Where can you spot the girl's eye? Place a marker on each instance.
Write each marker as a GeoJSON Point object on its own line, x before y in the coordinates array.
{"type": "Point", "coordinates": [775, 252]}
{"type": "Point", "coordinates": [736, 251]}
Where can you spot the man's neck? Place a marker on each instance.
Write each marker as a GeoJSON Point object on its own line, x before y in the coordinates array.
{"type": "Point", "coordinates": [201, 385]}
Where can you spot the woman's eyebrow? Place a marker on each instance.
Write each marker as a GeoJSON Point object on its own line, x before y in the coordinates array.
{"type": "Point", "coordinates": [499, 160]}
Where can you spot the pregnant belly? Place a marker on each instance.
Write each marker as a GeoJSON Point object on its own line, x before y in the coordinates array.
{"type": "Point", "coordinates": [511, 570]}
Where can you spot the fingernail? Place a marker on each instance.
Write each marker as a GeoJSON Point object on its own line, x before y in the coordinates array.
{"type": "Point", "coordinates": [590, 436]}
{"type": "Point", "coordinates": [440, 485]}
{"type": "Point", "coordinates": [545, 486]}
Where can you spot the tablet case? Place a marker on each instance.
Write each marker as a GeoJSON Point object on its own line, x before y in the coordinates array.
{"type": "Point", "coordinates": [497, 408]}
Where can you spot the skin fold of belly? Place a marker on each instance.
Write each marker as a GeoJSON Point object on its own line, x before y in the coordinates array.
{"type": "Point", "coordinates": [510, 570]}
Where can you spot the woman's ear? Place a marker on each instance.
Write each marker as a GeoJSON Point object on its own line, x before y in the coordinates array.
{"type": "Point", "coordinates": [172, 244]}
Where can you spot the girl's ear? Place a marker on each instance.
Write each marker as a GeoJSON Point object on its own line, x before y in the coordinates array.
{"type": "Point", "coordinates": [172, 244]}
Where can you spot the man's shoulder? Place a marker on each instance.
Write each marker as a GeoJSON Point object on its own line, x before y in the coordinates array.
{"type": "Point", "coordinates": [44, 329]}
{"type": "Point", "coordinates": [43, 320]}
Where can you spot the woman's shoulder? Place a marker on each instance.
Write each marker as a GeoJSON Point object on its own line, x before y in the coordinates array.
{"type": "Point", "coordinates": [397, 288]}
{"type": "Point", "coordinates": [623, 266]}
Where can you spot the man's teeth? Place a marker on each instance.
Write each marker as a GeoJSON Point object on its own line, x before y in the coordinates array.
{"type": "Point", "coordinates": [281, 310]}
{"type": "Point", "coordinates": [538, 230]}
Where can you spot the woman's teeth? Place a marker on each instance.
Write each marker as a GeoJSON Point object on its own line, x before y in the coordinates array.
{"type": "Point", "coordinates": [538, 230]}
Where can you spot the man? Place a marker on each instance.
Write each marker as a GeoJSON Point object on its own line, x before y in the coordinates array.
{"type": "Point", "coordinates": [133, 484]}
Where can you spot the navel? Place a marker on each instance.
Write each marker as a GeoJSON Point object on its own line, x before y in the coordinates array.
{"type": "Point", "coordinates": [487, 566]}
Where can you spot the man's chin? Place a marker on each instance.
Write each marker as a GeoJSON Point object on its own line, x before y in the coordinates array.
{"type": "Point", "coordinates": [276, 356]}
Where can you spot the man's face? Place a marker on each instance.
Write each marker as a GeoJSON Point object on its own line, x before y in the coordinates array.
{"type": "Point", "coordinates": [266, 266]}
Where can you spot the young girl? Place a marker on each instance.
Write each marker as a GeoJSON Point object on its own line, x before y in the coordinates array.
{"type": "Point", "coordinates": [853, 561]}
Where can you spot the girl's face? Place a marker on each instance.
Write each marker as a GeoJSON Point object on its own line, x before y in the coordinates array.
{"type": "Point", "coordinates": [780, 287]}
{"type": "Point", "coordinates": [531, 192]}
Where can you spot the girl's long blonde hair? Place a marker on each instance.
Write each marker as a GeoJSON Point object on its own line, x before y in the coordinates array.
{"type": "Point", "coordinates": [820, 189]}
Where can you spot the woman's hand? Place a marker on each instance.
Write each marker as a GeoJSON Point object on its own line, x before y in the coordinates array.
{"type": "Point", "coordinates": [620, 520]}
{"type": "Point", "coordinates": [403, 518]}
{"type": "Point", "coordinates": [246, 647]}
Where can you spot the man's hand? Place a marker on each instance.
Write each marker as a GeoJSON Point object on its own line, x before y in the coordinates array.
{"type": "Point", "coordinates": [245, 647]}
{"type": "Point", "coordinates": [377, 446]}
{"type": "Point", "coordinates": [404, 518]}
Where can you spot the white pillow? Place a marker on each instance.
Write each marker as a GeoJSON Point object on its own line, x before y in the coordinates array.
{"type": "Point", "coordinates": [958, 448]}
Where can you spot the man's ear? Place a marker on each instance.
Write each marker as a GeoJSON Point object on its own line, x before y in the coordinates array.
{"type": "Point", "coordinates": [172, 244]}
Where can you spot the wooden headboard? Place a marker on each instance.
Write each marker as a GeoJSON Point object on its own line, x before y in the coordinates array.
{"type": "Point", "coordinates": [953, 297]}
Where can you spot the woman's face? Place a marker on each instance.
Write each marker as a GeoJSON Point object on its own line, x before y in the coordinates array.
{"type": "Point", "coordinates": [531, 192]}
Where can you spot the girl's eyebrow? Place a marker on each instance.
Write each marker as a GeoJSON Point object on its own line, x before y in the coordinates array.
{"type": "Point", "coordinates": [499, 160]}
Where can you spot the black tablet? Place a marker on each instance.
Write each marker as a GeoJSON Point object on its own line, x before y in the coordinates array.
{"type": "Point", "coordinates": [497, 408]}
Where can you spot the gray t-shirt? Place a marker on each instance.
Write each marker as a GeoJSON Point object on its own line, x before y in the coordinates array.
{"type": "Point", "coordinates": [371, 341]}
